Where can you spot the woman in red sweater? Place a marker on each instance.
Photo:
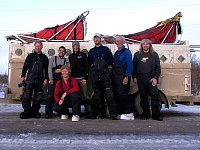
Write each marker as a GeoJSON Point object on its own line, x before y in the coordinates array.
{"type": "Point", "coordinates": [66, 94]}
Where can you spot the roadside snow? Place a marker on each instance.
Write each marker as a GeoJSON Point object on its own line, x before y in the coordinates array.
{"type": "Point", "coordinates": [24, 141]}
{"type": "Point", "coordinates": [101, 142]}
{"type": "Point", "coordinates": [180, 108]}
{"type": "Point", "coordinates": [1, 94]}
{"type": "Point", "coordinates": [8, 108]}
{"type": "Point", "coordinates": [183, 109]}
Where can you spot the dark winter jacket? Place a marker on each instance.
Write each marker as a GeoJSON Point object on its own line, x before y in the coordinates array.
{"type": "Point", "coordinates": [100, 58]}
{"type": "Point", "coordinates": [79, 64]}
{"type": "Point", "coordinates": [36, 65]}
{"type": "Point", "coordinates": [156, 69]}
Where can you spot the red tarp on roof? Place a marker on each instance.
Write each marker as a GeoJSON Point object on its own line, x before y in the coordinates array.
{"type": "Point", "coordinates": [164, 32]}
{"type": "Point", "coordinates": [72, 30]}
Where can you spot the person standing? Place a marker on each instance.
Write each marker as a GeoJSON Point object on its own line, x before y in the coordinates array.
{"type": "Point", "coordinates": [79, 67]}
{"type": "Point", "coordinates": [54, 71]}
{"type": "Point", "coordinates": [35, 75]}
{"type": "Point", "coordinates": [146, 73]}
{"type": "Point", "coordinates": [100, 58]}
{"type": "Point", "coordinates": [67, 94]}
{"type": "Point", "coordinates": [121, 70]}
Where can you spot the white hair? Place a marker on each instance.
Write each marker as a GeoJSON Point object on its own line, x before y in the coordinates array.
{"type": "Point", "coordinates": [120, 36]}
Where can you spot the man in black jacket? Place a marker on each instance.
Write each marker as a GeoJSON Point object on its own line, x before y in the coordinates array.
{"type": "Point", "coordinates": [79, 68]}
{"type": "Point", "coordinates": [100, 58]}
{"type": "Point", "coordinates": [146, 73]}
{"type": "Point", "coordinates": [35, 75]}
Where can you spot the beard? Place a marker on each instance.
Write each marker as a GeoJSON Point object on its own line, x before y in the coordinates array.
{"type": "Point", "coordinates": [97, 43]}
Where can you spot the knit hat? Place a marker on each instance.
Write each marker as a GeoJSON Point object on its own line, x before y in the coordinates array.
{"type": "Point", "coordinates": [75, 43]}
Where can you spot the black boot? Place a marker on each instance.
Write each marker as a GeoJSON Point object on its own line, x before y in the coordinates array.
{"type": "Point", "coordinates": [145, 116]}
{"type": "Point", "coordinates": [114, 117]}
{"type": "Point", "coordinates": [98, 116]}
{"type": "Point", "coordinates": [36, 115]}
{"type": "Point", "coordinates": [24, 115]}
{"type": "Point", "coordinates": [157, 117]}
{"type": "Point", "coordinates": [48, 116]}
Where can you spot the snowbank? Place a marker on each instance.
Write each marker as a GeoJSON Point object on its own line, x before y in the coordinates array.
{"type": "Point", "coordinates": [180, 108]}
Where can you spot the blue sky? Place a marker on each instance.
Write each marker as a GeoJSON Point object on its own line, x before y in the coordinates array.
{"type": "Point", "coordinates": [106, 16]}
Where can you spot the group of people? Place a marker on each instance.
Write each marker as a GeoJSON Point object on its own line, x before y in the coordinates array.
{"type": "Point", "coordinates": [110, 74]}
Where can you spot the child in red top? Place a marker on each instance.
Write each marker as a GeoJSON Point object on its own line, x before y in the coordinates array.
{"type": "Point", "coordinates": [67, 93]}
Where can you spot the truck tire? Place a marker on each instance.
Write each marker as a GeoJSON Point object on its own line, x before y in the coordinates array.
{"type": "Point", "coordinates": [136, 101]}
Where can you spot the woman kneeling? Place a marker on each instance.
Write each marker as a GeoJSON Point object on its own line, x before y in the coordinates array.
{"type": "Point", "coordinates": [66, 94]}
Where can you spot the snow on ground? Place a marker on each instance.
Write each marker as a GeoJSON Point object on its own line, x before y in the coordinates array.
{"type": "Point", "coordinates": [24, 141]}
{"type": "Point", "coordinates": [7, 108]}
{"type": "Point", "coordinates": [180, 108]}
{"type": "Point", "coordinates": [101, 142]}
{"type": "Point", "coordinates": [183, 108]}
{"type": "Point", "coordinates": [1, 94]}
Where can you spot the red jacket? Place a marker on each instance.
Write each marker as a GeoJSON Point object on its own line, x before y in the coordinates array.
{"type": "Point", "coordinates": [70, 87]}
